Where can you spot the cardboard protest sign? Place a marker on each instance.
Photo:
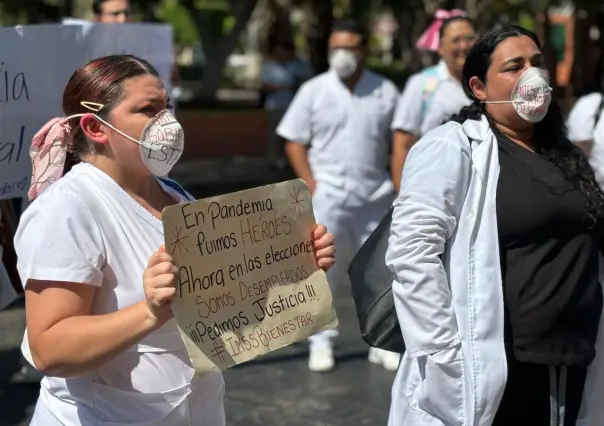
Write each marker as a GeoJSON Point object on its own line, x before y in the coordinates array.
{"type": "Point", "coordinates": [248, 280]}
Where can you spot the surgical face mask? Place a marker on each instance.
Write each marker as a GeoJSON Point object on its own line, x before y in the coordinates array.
{"type": "Point", "coordinates": [161, 142]}
{"type": "Point", "coordinates": [343, 62]}
{"type": "Point", "coordinates": [531, 95]}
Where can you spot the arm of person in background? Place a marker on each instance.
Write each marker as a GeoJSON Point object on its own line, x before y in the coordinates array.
{"type": "Point", "coordinates": [304, 72]}
{"type": "Point", "coordinates": [425, 216]}
{"type": "Point", "coordinates": [61, 257]}
{"type": "Point", "coordinates": [296, 129]}
{"type": "Point", "coordinates": [581, 121]}
{"type": "Point", "coordinates": [266, 87]}
{"type": "Point", "coordinates": [406, 126]}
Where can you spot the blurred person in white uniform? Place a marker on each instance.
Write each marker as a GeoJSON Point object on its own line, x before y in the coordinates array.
{"type": "Point", "coordinates": [586, 130]}
{"type": "Point", "coordinates": [98, 281]}
{"type": "Point", "coordinates": [338, 140]}
{"type": "Point", "coordinates": [435, 93]}
{"type": "Point", "coordinates": [282, 74]}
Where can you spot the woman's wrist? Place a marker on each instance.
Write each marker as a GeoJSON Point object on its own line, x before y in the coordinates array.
{"type": "Point", "coordinates": [150, 321]}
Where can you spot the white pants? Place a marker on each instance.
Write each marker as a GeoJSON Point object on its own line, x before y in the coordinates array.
{"type": "Point", "coordinates": [351, 222]}
{"type": "Point", "coordinates": [199, 407]}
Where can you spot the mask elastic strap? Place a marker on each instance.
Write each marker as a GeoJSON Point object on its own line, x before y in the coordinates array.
{"type": "Point", "coordinates": [519, 101]}
{"type": "Point", "coordinates": [107, 124]}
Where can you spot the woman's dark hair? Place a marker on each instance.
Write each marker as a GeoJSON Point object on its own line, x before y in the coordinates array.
{"type": "Point", "coordinates": [550, 132]}
{"type": "Point", "coordinates": [450, 20]}
{"type": "Point", "coordinates": [100, 81]}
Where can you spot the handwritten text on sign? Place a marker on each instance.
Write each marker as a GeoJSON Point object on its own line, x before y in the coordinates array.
{"type": "Point", "coordinates": [248, 281]}
{"type": "Point", "coordinates": [13, 88]}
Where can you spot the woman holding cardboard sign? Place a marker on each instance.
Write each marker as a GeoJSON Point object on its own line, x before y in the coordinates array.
{"type": "Point", "coordinates": [98, 289]}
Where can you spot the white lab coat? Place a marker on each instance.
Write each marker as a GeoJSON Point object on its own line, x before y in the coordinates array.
{"type": "Point", "coordinates": [451, 312]}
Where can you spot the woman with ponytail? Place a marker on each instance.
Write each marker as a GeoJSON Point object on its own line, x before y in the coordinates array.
{"type": "Point", "coordinates": [99, 282]}
{"type": "Point", "coordinates": [495, 247]}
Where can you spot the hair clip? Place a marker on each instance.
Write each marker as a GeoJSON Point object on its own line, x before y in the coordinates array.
{"type": "Point", "coordinates": [92, 106]}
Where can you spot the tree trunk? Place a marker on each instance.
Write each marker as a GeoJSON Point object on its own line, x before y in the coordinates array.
{"type": "Point", "coordinates": [218, 49]}
{"type": "Point", "coordinates": [320, 20]}
{"type": "Point", "coordinates": [68, 8]}
{"type": "Point", "coordinates": [280, 22]}
{"type": "Point", "coordinates": [360, 11]}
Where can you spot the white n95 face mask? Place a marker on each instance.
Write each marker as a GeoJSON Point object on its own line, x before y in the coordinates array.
{"type": "Point", "coordinates": [531, 95]}
{"type": "Point", "coordinates": [161, 142]}
{"type": "Point", "coordinates": [343, 62]}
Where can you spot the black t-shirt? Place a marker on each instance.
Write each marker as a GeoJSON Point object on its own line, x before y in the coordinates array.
{"type": "Point", "coordinates": [549, 261]}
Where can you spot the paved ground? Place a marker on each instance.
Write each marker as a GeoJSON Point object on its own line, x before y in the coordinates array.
{"type": "Point", "coordinates": [277, 390]}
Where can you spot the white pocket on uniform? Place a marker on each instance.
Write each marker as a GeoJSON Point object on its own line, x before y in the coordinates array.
{"type": "Point", "coordinates": [441, 390]}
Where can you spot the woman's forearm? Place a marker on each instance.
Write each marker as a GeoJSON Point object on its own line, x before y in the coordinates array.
{"type": "Point", "coordinates": [79, 345]}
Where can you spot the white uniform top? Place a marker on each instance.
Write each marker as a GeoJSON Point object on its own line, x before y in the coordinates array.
{"type": "Point", "coordinates": [448, 99]}
{"type": "Point", "coordinates": [409, 116]}
{"type": "Point", "coordinates": [86, 229]}
{"type": "Point", "coordinates": [450, 307]}
{"type": "Point", "coordinates": [348, 132]}
{"type": "Point", "coordinates": [582, 127]}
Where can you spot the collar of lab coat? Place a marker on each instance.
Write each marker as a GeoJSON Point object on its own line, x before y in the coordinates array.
{"type": "Point", "coordinates": [482, 140]}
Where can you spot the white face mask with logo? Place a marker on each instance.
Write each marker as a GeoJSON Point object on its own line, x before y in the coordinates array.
{"type": "Point", "coordinates": [531, 95]}
{"type": "Point", "coordinates": [343, 62]}
{"type": "Point", "coordinates": [161, 142]}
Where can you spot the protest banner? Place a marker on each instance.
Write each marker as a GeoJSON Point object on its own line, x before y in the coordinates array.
{"type": "Point", "coordinates": [248, 281]}
{"type": "Point", "coordinates": [36, 63]}
{"type": "Point", "coordinates": [151, 42]}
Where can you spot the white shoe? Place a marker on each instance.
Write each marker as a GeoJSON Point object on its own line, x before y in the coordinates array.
{"type": "Point", "coordinates": [388, 360]}
{"type": "Point", "coordinates": [321, 359]}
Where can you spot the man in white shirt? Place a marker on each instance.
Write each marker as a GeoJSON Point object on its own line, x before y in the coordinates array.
{"type": "Point", "coordinates": [338, 137]}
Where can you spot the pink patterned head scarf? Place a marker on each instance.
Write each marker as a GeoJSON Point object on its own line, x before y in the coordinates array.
{"type": "Point", "coordinates": [429, 40]}
{"type": "Point", "coordinates": [48, 153]}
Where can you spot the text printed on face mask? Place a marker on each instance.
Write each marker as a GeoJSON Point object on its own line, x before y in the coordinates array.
{"type": "Point", "coordinates": [163, 153]}
{"type": "Point", "coordinates": [531, 92]}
